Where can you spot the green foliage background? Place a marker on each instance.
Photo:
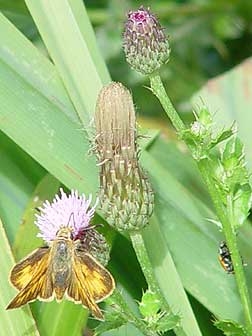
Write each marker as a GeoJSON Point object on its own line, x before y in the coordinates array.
{"type": "Point", "coordinates": [43, 144]}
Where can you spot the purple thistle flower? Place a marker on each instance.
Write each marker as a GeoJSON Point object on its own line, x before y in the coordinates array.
{"type": "Point", "coordinates": [144, 41]}
{"type": "Point", "coordinates": [71, 211]}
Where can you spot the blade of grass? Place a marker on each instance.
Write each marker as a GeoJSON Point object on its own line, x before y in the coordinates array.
{"type": "Point", "coordinates": [37, 114]}
{"type": "Point", "coordinates": [229, 98]}
{"type": "Point", "coordinates": [168, 277]}
{"type": "Point", "coordinates": [17, 322]}
{"type": "Point", "coordinates": [22, 57]}
{"type": "Point", "coordinates": [75, 63]}
{"type": "Point", "coordinates": [26, 238]}
{"type": "Point", "coordinates": [18, 174]}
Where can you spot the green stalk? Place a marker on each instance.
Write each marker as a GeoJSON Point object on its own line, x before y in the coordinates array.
{"type": "Point", "coordinates": [126, 313]}
{"type": "Point", "coordinates": [144, 261]}
{"type": "Point", "coordinates": [225, 215]}
{"type": "Point", "coordinates": [159, 91]}
{"type": "Point", "coordinates": [238, 267]}
{"type": "Point", "coordinates": [143, 258]}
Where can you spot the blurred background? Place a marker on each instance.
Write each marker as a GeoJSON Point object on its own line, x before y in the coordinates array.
{"type": "Point", "coordinates": [207, 38]}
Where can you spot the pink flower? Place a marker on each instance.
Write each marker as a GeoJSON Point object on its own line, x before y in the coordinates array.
{"type": "Point", "coordinates": [71, 211]}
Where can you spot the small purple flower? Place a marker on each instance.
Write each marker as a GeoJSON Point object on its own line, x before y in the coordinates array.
{"type": "Point", "coordinates": [71, 211]}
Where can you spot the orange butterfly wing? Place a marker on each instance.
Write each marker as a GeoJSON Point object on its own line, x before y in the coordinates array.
{"type": "Point", "coordinates": [30, 277]}
{"type": "Point", "coordinates": [90, 283]}
{"type": "Point", "coordinates": [21, 273]}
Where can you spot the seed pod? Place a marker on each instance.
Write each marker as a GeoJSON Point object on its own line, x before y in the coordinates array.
{"type": "Point", "coordinates": [126, 196]}
{"type": "Point", "coordinates": [145, 44]}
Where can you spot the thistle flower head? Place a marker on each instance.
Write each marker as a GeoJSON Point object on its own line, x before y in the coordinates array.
{"type": "Point", "coordinates": [126, 196]}
{"type": "Point", "coordinates": [145, 44]}
{"type": "Point", "coordinates": [66, 211]}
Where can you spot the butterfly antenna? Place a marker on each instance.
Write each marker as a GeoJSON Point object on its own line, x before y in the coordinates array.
{"type": "Point", "coordinates": [71, 215]}
{"type": "Point", "coordinates": [92, 227]}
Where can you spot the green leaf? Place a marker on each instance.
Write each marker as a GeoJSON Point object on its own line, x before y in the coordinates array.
{"type": "Point", "coordinates": [205, 117]}
{"type": "Point", "coordinates": [18, 321]}
{"type": "Point", "coordinates": [18, 175]}
{"type": "Point", "coordinates": [81, 60]}
{"type": "Point", "coordinates": [125, 330]}
{"type": "Point", "coordinates": [38, 133]}
{"type": "Point", "coordinates": [26, 238]}
{"type": "Point", "coordinates": [242, 203]}
{"type": "Point", "coordinates": [167, 274]}
{"type": "Point", "coordinates": [230, 328]}
{"type": "Point", "coordinates": [113, 320]}
{"type": "Point", "coordinates": [150, 304]}
{"type": "Point", "coordinates": [230, 95]}
{"type": "Point", "coordinates": [222, 136]}
{"type": "Point", "coordinates": [157, 320]}
{"type": "Point", "coordinates": [57, 319]}
{"type": "Point", "coordinates": [167, 322]}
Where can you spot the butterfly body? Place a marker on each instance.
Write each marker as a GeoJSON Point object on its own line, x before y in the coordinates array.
{"type": "Point", "coordinates": [61, 270]}
{"type": "Point", "coordinates": [62, 252]}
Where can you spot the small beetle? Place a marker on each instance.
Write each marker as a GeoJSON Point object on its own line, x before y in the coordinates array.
{"type": "Point", "coordinates": [225, 258]}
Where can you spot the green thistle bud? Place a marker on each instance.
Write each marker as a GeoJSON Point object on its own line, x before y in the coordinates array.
{"type": "Point", "coordinates": [91, 241]}
{"type": "Point", "coordinates": [145, 44]}
{"type": "Point", "coordinates": [126, 196]}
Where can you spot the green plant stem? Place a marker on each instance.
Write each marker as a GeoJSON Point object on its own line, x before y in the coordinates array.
{"type": "Point", "coordinates": [225, 215]}
{"type": "Point", "coordinates": [144, 261]}
{"type": "Point", "coordinates": [159, 91]}
{"type": "Point", "coordinates": [126, 313]}
{"type": "Point", "coordinates": [143, 258]}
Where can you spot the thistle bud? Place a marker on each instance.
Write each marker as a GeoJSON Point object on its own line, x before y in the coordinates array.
{"type": "Point", "coordinates": [126, 196]}
{"type": "Point", "coordinates": [145, 44]}
{"type": "Point", "coordinates": [94, 243]}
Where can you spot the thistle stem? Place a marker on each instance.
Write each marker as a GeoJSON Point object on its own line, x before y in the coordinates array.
{"type": "Point", "coordinates": [144, 261]}
{"type": "Point", "coordinates": [159, 91]}
{"type": "Point", "coordinates": [226, 217]}
{"type": "Point", "coordinates": [225, 214]}
{"type": "Point", "coordinates": [143, 258]}
{"type": "Point", "coordinates": [126, 313]}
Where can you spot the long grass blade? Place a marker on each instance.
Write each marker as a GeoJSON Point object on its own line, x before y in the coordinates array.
{"type": "Point", "coordinates": [16, 322]}
{"type": "Point", "coordinates": [79, 63]}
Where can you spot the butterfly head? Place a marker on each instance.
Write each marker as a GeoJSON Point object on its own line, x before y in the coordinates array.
{"type": "Point", "coordinates": [65, 233]}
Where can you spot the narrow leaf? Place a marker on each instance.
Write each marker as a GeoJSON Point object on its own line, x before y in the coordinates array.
{"type": "Point", "coordinates": [230, 328]}
{"type": "Point", "coordinates": [80, 61]}
{"type": "Point", "coordinates": [16, 322]}
{"type": "Point", "coordinates": [26, 238]}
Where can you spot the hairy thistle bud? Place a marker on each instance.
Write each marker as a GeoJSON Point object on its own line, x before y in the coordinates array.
{"type": "Point", "coordinates": [145, 44]}
{"type": "Point", "coordinates": [92, 242]}
{"type": "Point", "coordinates": [126, 196]}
